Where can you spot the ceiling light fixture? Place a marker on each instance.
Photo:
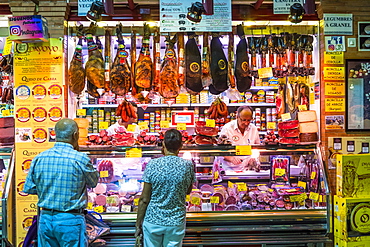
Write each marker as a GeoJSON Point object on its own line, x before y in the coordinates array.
{"type": "Point", "coordinates": [296, 13]}
{"type": "Point", "coordinates": [96, 11]}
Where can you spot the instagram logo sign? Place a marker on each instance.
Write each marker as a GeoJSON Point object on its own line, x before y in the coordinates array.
{"type": "Point", "coordinates": [15, 30]}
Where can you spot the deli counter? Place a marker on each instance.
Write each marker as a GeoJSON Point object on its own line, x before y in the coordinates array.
{"type": "Point", "coordinates": [278, 196]}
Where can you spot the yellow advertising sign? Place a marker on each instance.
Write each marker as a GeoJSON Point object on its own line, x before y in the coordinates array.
{"type": "Point", "coordinates": [243, 150]}
{"type": "Point", "coordinates": [334, 104]}
{"type": "Point", "coordinates": [334, 57]}
{"type": "Point", "coordinates": [265, 72]}
{"type": "Point", "coordinates": [334, 88]}
{"type": "Point", "coordinates": [38, 105]}
{"type": "Point", "coordinates": [334, 73]}
{"type": "Point", "coordinates": [181, 126]}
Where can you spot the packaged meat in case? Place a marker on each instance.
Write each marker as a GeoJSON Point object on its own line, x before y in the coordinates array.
{"type": "Point", "coordinates": [280, 168]}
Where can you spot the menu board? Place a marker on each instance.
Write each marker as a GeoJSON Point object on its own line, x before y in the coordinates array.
{"type": "Point", "coordinates": [38, 105]}
{"type": "Point", "coordinates": [173, 16]}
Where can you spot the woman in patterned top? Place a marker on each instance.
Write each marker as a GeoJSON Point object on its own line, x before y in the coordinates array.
{"type": "Point", "coordinates": [167, 181]}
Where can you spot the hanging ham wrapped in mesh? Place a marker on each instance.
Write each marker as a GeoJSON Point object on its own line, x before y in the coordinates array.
{"type": "Point", "coordinates": [76, 72]}
{"type": "Point", "coordinates": [219, 66]}
{"type": "Point", "coordinates": [120, 75]}
{"type": "Point", "coordinates": [168, 78]}
{"type": "Point", "coordinates": [243, 79]}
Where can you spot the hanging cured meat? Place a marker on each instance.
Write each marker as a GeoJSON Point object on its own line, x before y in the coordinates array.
{"type": "Point", "coordinates": [95, 64]}
{"type": "Point", "coordinates": [157, 60]}
{"type": "Point", "coordinates": [181, 58]}
{"type": "Point", "coordinates": [193, 77]}
{"type": "Point", "coordinates": [76, 72]}
{"type": "Point", "coordinates": [120, 73]}
{"type": "Point", "coordinates": [219, 66]}
{"type": "Point", "coordinates": [143, 66]}
{"type": "Point", "coordinates": [168, 78]}
{"type": "Point", "coordinates": [230, 51]}
{"type": "Point", "coordinates": [92, 89]}
{"type": "Point", "coordinates": [206, 59]}
{"type": "Point", "coordinates": [108, 41]}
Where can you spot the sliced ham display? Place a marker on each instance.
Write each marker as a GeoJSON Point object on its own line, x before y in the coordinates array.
{"type": "Point", "coordinates": [202, 129]}
{"type": "Point", "coordinates": [204, 140]}
{"type": "Point", "coordinates": [219, 66]}
{"type": "Point", "coordinates": [287, 140]}
{"type": "Point", "coordinates": [288, 125]}
{"type": "Point", "coordinates": [168, 78]}
{"type": "Point", "coordinates": [105, 168]}
{"type": "Point", "coordinates": [289, 133]}
{"type": "Point", "coordinates": [193, 77]}
{"type": "Point", "coordinates": [95, 64]}
{"type": "Point", "coordinates": [76, 72]}
{"type": "Point", "coordinates": [120, 75]}
{"type": "Point", "coordinates": [243, 79]}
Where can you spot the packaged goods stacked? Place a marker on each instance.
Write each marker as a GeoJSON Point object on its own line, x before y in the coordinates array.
{"type": "Point", "coordinates": [352, 202]}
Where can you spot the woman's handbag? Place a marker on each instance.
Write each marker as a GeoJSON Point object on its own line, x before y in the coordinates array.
{"type": "Point", "coordinates": [139, 241]}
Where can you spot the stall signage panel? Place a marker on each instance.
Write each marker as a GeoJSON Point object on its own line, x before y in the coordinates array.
{"type": "Point", "coordinates": [29, 27]}
{"type": "Point", "coordinates": [333, 73]}
{"type": "Point", "coordinates": [84, 7]}
{"type": "Point", "coordinates": [335, 43]}
{"type": "Point", "coordinates": [334, 88]}
{"type": "Point", "coordinates": [338, 24]}
{"type": "Point", "coordinates": [336, 57]}
{"type": "Point", "coordinates": [173, 17]}
{"type": "Point", "coordinates": [283, 6]}
{"type": "Point", "coordinates": [334, 105]}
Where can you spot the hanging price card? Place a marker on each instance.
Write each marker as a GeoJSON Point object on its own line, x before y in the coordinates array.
{"type": "Point", "coordinates": [215, 175]}
{"type": "Point", "coordinates": [210, 123]}
{"type": "Point", "coordinates": [295, 198]}
{"type": "Point", "coordinates": [131, 128]}
{"type": "Point", "coordinates": [271, 125]}
{"type": "Point", "coordinates": [314, 196]}
{"type": "Point", "coordinates": [243, 150]}
{"type": "Point", "coordinates": [302, 108]}
{"type": "Point", "coordinates": [303, 197]}
{"type": "Point", "coordinates": [103, 125]}
{"type": "Point", "coordinates": [99, 209]}
{"type": "Point", "coordinates": [321, 198]}
{"type": "Point", "coordinates": [81, 112]}
{"type": "Point", "coordinates": [187, 198]}
{"type": "Point", "coordinates": [241, 186]}
{"type": "Point", "coordinates": [104, 174]}
{"type": "Point", "coordinates": [126, 208]}
{"type": "Point", "coordinates": [302, 184]}
{"type": "Point", "coordinates": [181, 126]}
{"type": "Point", "coordinates": [215, 199]}
{"type": "Point", "coordinates": [143, 126]}
{"type": "Point", "coordinates": [195, 200]}
{"type": "Point", "coordinates": [136, 201]}
{"type": "Point", "coordinates": [313, 175]}
{"type": "Point", "coordinates": [265, 72]}
{"type": "Point", "coordinates": [134, 153]}
{"type": "Point", "coordinates": [5, 113]}
{"type": "Point", "coordinates": [89, 206]}
{"type": "Point", "coordinates": [279, 172]}
{"type": "Point", "coordinates": [285, 116]}
{"type": "Point", "coordinates": [164, 124]}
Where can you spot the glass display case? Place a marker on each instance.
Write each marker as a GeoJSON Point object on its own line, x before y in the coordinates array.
{"type": "Point", "coordinates": [279, 195]}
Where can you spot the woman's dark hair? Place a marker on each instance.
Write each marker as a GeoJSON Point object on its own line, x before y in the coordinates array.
{"type": "Point", "coordinates": [173, 140]}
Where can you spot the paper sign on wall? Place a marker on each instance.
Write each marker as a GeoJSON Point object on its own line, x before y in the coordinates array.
{"type": "Point", "coordinates": [283, 7]}
{"type": "Point", "coordinates": [333, 73]}
{"type": "Point", "coordinates": [334, 105]}
{"type": "Point", "coordinates": [334, 88]}
{"type": "Point", "coordinates": [338, 24]}
{"type": "Point", "coordinates": [336, 57]}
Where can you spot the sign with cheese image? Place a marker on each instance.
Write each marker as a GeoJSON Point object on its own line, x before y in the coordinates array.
{"type": "Point", "coordinates": [39, 92]}
{"type": "Point", "coordinates": [23, 114]}
{"type": "Point", "coordinates": [39, 114]}
{"type": "Point", "coordinates": [55, 114]}
{"type": "Point", "coordinates": [39, 135]}
{"type": "Point", "coordinates": [55, 91]}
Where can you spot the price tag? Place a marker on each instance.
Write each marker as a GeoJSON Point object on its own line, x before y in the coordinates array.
{"type": "Point", "coordinates": [81, 112]}
{"type": "Point", "coordinates": [206, 159]}
{"type": "Point", "coordinates": [241, 186]}
{"type": "Point", "coordinates": [302, 108]}
{"type": "Point", "coordinates": [295, 198]}
{"type": "Point", "coordinates": [126, 208]}
{"type": "Point", "coordinates": [136, 201]}
{"type": "Point", "coordinates": [215, 199]}
{"type": "Point", "coordinates": [216, 175]}
{"type": "Point", "coordinates": [131, 128]}
{"type": "Point", "coordinates": [302, 184]}
{"type": "Point", "coordinates": [314, 196]}
{"type": "Point", "coordinates": [210, 123]}
{"type": "Point", "coordinates": [313, 175]}
{"type": "Point", "coordinates": [103, 125]}
{"type": "Point", "coordinates": [143, 126]}
{"type": "Point", "coordinates": [164, 124]}
{"type": "Point", "coordinates": [104, 174]}
{"type": "Point", "coordinates": [99, 209]}
{"type": "Point", "coordinates": [303, 197]}
{"type": "Point", "coordinates": [7, 47]}
{"type": "Point", "coordinates": [285, 116]}
{"type": "Point", "coordinates": [181, 126]}
{"type": "Point", "coordinates": [5, 113]}
{"type": "Point", "coordinates": [321, 198]}
{"type": "Point", "coordinates": [271, 125]}
{"type": "Point", "coordinates": [134, 153]}
{"type": "Point", "coordinates": [279, 172]}
{"type": "Point", "coordinates": [271, 190]}
{"type": "Point", "coordinates": [243, 150]}
{"type": "Point", "coordinates": [230, 184]}
{"type": "Point", "coordinates": [187, 198]}
{"type": "Point", "coordinates": [265, 72]}
{"type": "Point", "coordinates": [111, 200]}
{"type": "Point", "coordinates": [195, 200]}
{"type": "Point", "coordinates": [89, 206]}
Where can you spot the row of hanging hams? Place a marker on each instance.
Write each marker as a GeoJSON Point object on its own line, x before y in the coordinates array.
{"type": "Point", "coordinates": [183, 69]}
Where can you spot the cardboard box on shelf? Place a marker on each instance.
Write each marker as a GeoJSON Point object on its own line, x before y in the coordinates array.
{"type": "Point", "coordinates": [351, 219]}
{"type": "Point", "coordinates": [353, 175]}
